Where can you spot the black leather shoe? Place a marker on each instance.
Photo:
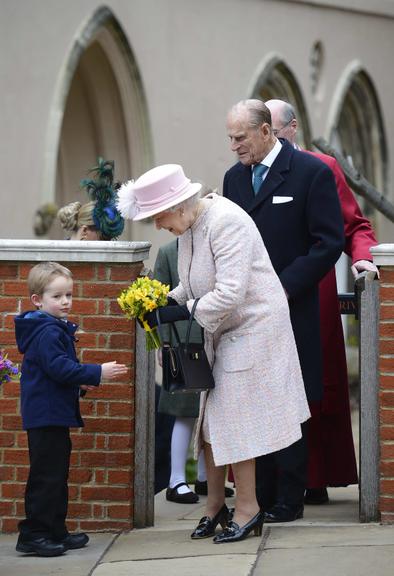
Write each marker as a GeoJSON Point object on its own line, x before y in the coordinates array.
{"type": "Point", "coordinates": [316, 496]}
{"type": "Point", "coordinates": [41, 546]}
{"type": "Point", "coordinates": [283, 513]}
{"type": "Point", "coordinates": [206, 527]}
{"type": "Point", "coordinates": [172, 495]}
{"type": "Point", "coordinates": [74, 541]}
{"type": "Point", "coordinates": [234, 532]}
{"type": "Point", "coordinates": [201, 488]}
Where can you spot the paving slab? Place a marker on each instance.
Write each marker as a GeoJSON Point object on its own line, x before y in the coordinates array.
{"type": "Point", "coordinates": [152, 544]}
{"type": "Point", "coordinates": [72, 563]}
{"type": "Point", "coordinates": [328, 561]}
{"type": "Point", "coordinates": [229, 564]}
{"type": "Point", "coordinates": [341, 509]}
{"type": "Point", "coordinates": [329, 536]}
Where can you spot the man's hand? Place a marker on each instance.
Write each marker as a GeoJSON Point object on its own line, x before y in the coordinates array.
{"type": "Point", "coordinates": [111, 370]}
{"type": "Point", "coordinates": [364, 266]}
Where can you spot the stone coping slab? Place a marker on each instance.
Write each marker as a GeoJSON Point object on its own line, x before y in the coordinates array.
{"type": "Point", "coordinates": [383, 254]}
{"type": "Point", "coordinates": [74, 251]}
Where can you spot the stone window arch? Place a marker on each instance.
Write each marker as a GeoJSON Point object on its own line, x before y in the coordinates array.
{"type": "Point", "coordinates": [357, 130]}
{"type": "Point", "coordinates": [99, 109]}
{"type": "Point", "coordinates": [274, 79]}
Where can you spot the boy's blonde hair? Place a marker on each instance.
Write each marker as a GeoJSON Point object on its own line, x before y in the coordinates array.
{"type": "Point", "coordinates": [42, 274]}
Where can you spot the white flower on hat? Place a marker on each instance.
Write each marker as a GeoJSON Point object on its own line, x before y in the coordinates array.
{"type": "Point", "coordinates": [127, 202]}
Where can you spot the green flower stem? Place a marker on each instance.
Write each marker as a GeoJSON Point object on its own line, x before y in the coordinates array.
{"type": "Point", "coordinates": [153, 340]}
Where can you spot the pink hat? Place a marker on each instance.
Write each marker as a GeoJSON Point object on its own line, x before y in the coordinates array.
{"type": "Point", "coordinates": [155, 191]}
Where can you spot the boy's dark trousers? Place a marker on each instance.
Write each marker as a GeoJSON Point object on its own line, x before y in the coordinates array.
{"type": "Point", "coordinates": [46, 495]}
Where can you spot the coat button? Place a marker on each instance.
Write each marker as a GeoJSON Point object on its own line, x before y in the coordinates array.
{"type": "Point", "coordinates": [233, 338]}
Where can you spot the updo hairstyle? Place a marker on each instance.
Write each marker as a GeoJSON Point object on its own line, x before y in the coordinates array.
{"type": "Point", "coordinates": [74, 215]}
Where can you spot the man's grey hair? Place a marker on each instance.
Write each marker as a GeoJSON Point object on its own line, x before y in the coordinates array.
{"type": "Point", "coordinates": [258, 112]}
{"type": "Point", "coordinates": [287, 113]}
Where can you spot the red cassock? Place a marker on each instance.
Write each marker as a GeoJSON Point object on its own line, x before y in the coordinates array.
{"type": "Point", "coordinates": [332, 459]}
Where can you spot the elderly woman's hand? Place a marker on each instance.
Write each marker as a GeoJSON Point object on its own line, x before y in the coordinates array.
{"type": "Point", "coordinates": [167, 314]}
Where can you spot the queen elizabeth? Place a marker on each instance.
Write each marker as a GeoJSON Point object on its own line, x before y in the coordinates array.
{"type": "Point", "coordinates": [258, 403]}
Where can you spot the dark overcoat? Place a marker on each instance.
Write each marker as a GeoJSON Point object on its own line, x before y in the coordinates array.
{"type": "Point", "coordinates": [298, 215]}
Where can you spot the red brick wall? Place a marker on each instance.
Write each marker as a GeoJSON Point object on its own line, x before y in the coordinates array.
{"type": "Point", "coordinates": [102, 465]}
{"type": "Point", "coordinates": [386, 394]}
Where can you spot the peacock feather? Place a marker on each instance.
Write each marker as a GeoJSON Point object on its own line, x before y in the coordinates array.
{"type": "Point", "coordinates": [102, 191]}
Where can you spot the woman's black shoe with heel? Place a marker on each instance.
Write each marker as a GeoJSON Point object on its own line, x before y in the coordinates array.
{"type": "Point", "coordinates": [206, 527]}
{"type": "Point", "coordinates": [234, 533]}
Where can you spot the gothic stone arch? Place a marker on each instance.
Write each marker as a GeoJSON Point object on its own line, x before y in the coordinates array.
{"type": "Point", "coordinates": [274, 79]}
{"type": "Point", "coordinates": [99, 109]}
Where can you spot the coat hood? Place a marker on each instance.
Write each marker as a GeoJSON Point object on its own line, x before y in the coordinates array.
{"type": "Point", "coordinates": [30, 324]}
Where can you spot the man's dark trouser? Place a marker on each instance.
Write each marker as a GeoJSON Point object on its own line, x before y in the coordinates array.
{"type": "Point", "coordinates": [46, 495]}
{"type": "Point", "coordinates": [281, 477]}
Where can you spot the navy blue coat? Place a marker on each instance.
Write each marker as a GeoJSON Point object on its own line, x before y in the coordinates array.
{"type": "Point", "coordinates": [304, 236]}
{"type": "Point", "coordinates": [51, 372]}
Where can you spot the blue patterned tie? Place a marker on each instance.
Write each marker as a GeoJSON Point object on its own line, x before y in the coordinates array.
{"type": "Point", "coordinates": [258, 172]}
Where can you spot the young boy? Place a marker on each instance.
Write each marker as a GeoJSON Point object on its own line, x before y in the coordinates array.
{"type": "Point", "coordinates": [50, 387]}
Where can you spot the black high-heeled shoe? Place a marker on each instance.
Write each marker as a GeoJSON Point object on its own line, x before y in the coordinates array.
{"type": "Point", "coordinates": [234, 533]}
{"type": "Point", "coordinates": [206, 527]}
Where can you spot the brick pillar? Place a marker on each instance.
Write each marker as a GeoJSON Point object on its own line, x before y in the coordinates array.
{"type": "Point", "coordinates": [102, 470]}
{"type": "Point", "coordinates": [384, 257]}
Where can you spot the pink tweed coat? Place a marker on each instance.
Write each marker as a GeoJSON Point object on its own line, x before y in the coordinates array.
{"type": "Point", "coordinates": [259, 400]}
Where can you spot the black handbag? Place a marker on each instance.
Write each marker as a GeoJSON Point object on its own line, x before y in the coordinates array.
{"type": "Point", "coordinates": [185, 364]}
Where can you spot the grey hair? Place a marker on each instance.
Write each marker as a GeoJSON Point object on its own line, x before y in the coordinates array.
{"type": "Point", "coordinates": [205, 189]}
{"type": "Point", "coordinates": [258, 112]}
{"type": "Point", "coordinates": [188, 203]}
{"type": "Point", "coordinates": [287, 113]}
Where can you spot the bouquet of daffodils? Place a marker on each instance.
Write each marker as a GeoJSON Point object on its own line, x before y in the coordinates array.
{"type": "Point", "coordinates": [144, 295]}
{"type": "Point", "coordinates": [8, 370]}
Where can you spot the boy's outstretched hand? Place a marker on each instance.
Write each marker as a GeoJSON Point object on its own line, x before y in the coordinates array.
{"type": "Point", "coordinates": [111, 370]}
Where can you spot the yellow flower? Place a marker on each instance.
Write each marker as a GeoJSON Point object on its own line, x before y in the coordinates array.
{"type": "Point", "coordinates": [142, 296]}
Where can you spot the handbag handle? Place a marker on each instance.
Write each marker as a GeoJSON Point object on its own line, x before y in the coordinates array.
{"type": "Point", "coordinates": [174, 328]}
{"type": "Point", "coordinates": [189, 326]}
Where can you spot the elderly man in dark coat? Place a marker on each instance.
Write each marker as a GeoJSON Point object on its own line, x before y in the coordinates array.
{"type": "Point", "coordinates": [292, 198]}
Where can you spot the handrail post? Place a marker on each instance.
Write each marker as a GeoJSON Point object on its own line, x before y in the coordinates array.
{"type": "Point", "coordinates": [367, 288]}
{"type": "Point", "coordinates": [144, 457]}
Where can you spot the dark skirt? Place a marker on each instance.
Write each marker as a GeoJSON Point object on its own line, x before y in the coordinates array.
{"type": "Point", "coordinates": [184, 404]}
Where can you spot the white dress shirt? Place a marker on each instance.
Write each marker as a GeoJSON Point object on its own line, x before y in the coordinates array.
{"type": "Point", "coordinates": [270, 158]}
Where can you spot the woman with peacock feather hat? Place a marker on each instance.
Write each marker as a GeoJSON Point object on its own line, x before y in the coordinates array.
{"type": "Point", "coordinates": [98, 219]}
